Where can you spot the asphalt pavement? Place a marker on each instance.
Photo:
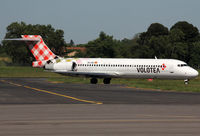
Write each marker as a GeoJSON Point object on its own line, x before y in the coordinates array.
{"type": "Point", "coordinates": [40, 91]}
{"type": "Point", "coordinates": [36, 107]}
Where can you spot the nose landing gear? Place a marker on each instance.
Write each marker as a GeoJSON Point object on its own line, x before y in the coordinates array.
{"type": "Point", "coordinates": [186, 81]}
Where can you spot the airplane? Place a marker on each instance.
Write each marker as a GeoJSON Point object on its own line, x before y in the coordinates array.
{"type": "Point", "coordinates": [106, 68]}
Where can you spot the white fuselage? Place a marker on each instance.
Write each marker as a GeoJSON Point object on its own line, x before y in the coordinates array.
{"type": "Point", "coordinates": [128, 68]}
{"type": "Point", "coordinates": [106, 67]}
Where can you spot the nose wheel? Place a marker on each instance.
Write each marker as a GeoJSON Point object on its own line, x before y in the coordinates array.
{"type": "Point", "coordinates": [186, 81]}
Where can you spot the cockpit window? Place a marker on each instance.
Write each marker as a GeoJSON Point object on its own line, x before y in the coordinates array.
{"type": "Point", "coordinates": [182, 65]}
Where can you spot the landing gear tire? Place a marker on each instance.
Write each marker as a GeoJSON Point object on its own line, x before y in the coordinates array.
{"type": "Point", "coordinates": [93, 81]}
{"type": "Point", "coordinates": [186, 81]}
{"type": "Point", "coordinates": [106, 80]}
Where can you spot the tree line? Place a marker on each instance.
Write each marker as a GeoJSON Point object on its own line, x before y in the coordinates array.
{"type": "Point", "coordinates": [181, 41]}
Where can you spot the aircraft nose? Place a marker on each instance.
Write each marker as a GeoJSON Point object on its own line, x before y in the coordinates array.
{"type": "Point", "coordinates": [194, 73]}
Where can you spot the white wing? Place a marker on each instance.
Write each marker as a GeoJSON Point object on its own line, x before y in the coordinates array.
{"type": "Point", "coordinates": [88, 74]}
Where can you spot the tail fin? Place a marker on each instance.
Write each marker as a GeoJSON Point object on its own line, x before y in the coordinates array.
{"type": "Point", "coordinates": [39, 50]}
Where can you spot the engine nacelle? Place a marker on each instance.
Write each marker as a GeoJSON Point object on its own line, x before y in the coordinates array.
{"type": "Point", "coordinates": [65, 66]}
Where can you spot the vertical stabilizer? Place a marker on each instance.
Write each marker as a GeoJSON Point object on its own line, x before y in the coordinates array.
{"type": "Point", "coordinates": [39, 50]}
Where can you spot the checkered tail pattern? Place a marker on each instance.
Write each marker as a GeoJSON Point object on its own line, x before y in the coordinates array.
{"type": "Point", "coordinates": [39, 50]}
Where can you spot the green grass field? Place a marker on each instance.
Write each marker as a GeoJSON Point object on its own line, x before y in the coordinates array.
{"type": "Point", "coordinates": [15, 71]}
{"type": "Point", "coordinates": [169, 85]}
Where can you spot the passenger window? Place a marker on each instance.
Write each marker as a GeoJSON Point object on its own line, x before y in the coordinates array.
{"type": "Point", "coordinates": [182, 65]}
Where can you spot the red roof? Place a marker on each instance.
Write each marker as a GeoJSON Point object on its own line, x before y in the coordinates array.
{"type": "Point", "coordinates": [76, 48]}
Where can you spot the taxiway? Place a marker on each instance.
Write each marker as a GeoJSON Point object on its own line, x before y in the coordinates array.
{"type": "Point", "coordinates": [32, 106]}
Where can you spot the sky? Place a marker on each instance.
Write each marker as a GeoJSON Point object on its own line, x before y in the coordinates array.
{"type": "Point", "coordinates": [83, 20]}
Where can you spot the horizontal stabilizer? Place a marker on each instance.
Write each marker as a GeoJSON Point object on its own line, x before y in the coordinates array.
{"type": "Point", "coordinates": [21, 39]}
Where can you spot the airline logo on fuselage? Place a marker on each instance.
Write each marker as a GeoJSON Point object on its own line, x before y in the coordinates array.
{"type": "Point", "coordinates": [151, 69]}
{"type": "Point", "coordinates": [163, 66]}
{"type": "Point", "coordinates": [148, 70]}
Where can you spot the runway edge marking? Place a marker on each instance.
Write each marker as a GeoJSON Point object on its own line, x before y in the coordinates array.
{"type": "Point", "coordinates": [49, 92]}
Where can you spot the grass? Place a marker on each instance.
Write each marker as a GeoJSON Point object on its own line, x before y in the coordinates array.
{"type": "Point", "coordinates": [171, 85]}
{"type": "Point", "coordinates": [17, 71]}
{"type": "Point", "coordinates": [158, 84]}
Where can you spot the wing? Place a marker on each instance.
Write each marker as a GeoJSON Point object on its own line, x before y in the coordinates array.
{"type": "Point", "coordinates": [88, 74]}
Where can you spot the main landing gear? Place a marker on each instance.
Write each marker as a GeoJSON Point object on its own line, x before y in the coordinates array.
{"type": "Point", "coordinates": [106, 80]}
{"type": "Point", "coordinates": [186, 81]}
{"type": "Point", "coordinates": [95, 81]}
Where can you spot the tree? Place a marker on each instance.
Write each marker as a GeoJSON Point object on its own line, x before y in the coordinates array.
{"type": "Point", "coordinates": [179, 51]}
{"type": "Point", "coordinates": [190, 38]}
{"type": "Point", "coordinates": [157, 29]}
{"type": "Point", "coordinates": [126, 47]}
{"type": "Point", "coordinates": [191, 33]}
{"type": "Point", "coordinates": [160, 46]}
{"type": "Point", "coordinates": [104, 46]}
{"type": "Point", "coordinates": [18, 50]}
{"type": "Point", "coordinates": [195, 56]}
{"type": "Point", "coordinates": [71, 43]}
{"type": "Point", "coordinates": [155, 40]}
{"type": "Point", "coordinates": [130, 48]}
{"type": "Point", "coordinates": [176, 35]}
{"type": "Point", "coordinates": [142, 38]}
{"type": "Point", "coordinates": [1, 50]}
